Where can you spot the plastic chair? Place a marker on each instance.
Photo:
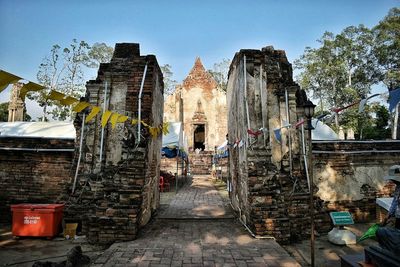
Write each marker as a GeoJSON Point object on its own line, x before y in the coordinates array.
{"type": "Point", "coordinates": [164, 185]}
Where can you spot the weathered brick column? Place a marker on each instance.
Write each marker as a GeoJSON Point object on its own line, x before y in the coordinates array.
{"type": "Point", "coordinates": [269, 197]}
{"type": "Point", "coordinates": [118, 193]}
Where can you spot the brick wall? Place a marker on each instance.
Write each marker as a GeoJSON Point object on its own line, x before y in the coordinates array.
{"type": "Point", "coordinates": [169, 165]}
{"type": "Point", "coordinates": [118, 193]}
{"type": "Point", "coordinates": [349, 174]}
{"type": "Point", "coordinates": [33, 170]}
{"type": "Point", "coordinates": [200, 163]}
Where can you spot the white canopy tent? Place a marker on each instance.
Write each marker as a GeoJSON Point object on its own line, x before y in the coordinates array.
{"type": "Point", "coordinates": [55, 129]}
{"type": "Point", "coordinates": [174, 137]}
{"type": "Point", "coordinates": [322, 131]}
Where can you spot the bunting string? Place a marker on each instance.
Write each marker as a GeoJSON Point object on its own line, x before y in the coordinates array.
{"type": "Point", "coordinates": [107, 116]}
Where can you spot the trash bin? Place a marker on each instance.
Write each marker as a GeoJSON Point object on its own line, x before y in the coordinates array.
{"type": "Point", "coordinates": [36, 219]}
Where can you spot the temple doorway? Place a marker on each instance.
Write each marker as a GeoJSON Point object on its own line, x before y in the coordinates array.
{"type": "Point", "coordinates": [199, 136]}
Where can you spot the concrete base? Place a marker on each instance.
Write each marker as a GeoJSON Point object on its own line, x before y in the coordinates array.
{"type": "Point", "coordinates": [342, 237]}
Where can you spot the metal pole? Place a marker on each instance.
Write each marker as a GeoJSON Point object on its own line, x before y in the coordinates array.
{"type": "Point", "coordinates": [395, 121]}
{"type": "Point", "coordinates": [262, 104]}
{"type": "Point", "coordinates": [140, 105]}
{"type": "Point", "coordinates": [245, 98]}
{"type": "Point", "coordinates": [303, 144]}
{"type": "Point", "coordinates": [288, 131]}
{"type": "Point", "coordinates": [310, 172]}
{"type": "Point", "coordinates": [80, 153]}
{"type": "Point", "coordinates": [176, 175]}
{"type": "Point", "coordinates": [102, 128]}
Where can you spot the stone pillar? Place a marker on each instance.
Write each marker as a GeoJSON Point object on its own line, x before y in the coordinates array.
{"type": "Point", "coordinates": [341, 133]}
{"type": "Point", "coordinates": [16, 106]}
{"type": "Point", "coordinates": [350, 134]}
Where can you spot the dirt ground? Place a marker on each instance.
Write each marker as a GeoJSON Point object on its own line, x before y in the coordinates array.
{"type": "Point", "coordinates": [25, 251]}
{"type": "Point", "coordinates": [326, 253]}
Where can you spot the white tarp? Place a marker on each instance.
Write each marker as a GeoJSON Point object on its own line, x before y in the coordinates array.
{"type": "Point", "coordinates": [322, 131]}
{"type": "Point", "coordinates": [384, 202]}
{"type": "Point", "coordinates": [55, 129]}
{"type": "Point", "coordinates": [223, 146]}
{"type": "Point", "coordinates": [174, 137]}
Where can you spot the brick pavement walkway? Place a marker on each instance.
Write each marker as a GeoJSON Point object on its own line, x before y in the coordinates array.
{"type": "Point", "coordinates": [198, 199]}
{"type": "Point", "coordinates": [205, 241]}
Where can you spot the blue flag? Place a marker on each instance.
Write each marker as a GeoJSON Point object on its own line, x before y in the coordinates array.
{"type": "Point", "coordinates": [278, 135]}
{"type": "Point", "coordinates": [394, 98]}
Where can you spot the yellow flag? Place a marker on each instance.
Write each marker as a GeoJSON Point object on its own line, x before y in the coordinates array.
{"type": "Point", "coordinates": [81, 106]}
{"type": "Point", "coordinates": [144, 124]}
{"type": "Point", "coordinates": [134, 121]}
{"type": "Point", "coordinates": [114, 120]}
{"type": "Point", "coordinates": [29, 87]}
{"type": "Point", "coordinates": [69, 100]}
{"type": "Point", "coordinates": [153, 131]}
{"type": "Point", "coordinates": [122, 118]}
{"type": "Point", "coordinates": [165, 128]}
{"type": "Point", "coordinates": [92, 113]}
{"type": "Point", "coordinates": [6, 79]}
{"type": "Point", "coordinates": [54, 95]}
{"type": "Point", "coordinates": [105, 117]}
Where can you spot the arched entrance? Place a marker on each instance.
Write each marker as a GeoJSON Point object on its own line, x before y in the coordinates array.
{"type": "Point", "coordinates": [199, 136]}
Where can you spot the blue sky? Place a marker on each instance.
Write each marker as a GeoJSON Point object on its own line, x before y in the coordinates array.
{"type": "Point", "coordinates": [175, 31]}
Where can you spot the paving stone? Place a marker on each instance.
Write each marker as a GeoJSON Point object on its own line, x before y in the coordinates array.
{"type": "Point", "coordinates": [192, 242]}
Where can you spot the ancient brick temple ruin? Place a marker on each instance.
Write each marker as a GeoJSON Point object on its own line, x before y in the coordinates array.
{"type": "Point", "coordinates": [266, 167]}
{"type": "Point", "coordinates": [117, 188]}
{"type": "Point", "coordinates": [269, 188]}
{"type": "Point", "coordinates": [201, 106]}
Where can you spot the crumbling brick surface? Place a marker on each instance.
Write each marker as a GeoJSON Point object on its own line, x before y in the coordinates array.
{"type": "Point", "coordinates": [118, 193]}
{"type": "Point", "coordinates": [33, 170]}
{"type": "Point", "coordinates": [349, 174]}
{"type": "Point", "coordinates": [200, 163]}
{"type": "Point", "coordinates": [269, 197]}
{"type": "Point", "coordinates": [270, 192]}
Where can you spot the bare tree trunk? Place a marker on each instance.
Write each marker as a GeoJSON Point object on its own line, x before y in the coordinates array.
{"type": "Point", "coordinates": [44, 112]}
{"type": "Point", "coordinates": [349, 81]}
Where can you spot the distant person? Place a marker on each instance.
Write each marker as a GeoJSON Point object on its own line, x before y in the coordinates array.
{"type": "Point", "coordinates": [394, 210]}
{"type": "Point", "coordinates": [389, 238]}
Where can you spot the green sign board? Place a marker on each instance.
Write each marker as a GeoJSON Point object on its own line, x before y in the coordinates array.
{"type": "Point", "coordinates": [341, 218]}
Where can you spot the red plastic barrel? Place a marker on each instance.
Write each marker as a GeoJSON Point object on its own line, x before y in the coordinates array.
{"type": "Point", "coordinates": [36, 219]}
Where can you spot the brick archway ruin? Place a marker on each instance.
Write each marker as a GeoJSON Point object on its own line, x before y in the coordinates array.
{"type": "Point", "coordinates": [117, 189]}
{"type": "Point", "coordinates": [263, 169]}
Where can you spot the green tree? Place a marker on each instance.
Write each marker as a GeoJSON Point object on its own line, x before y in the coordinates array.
{"type": "Point", "coordinates": [379, 128]}
{"type": "Point", "coordinates": [4, 111]}
{"type": "Point", "coordinates": [387, 47]}
{"type": "Point", "coordinates": [64, 71]}
{"type": "Point", "coordinates": [340, 72]}
{"type": "Point", "coordinates": [99, 53]}
{"type": "Point", "coordinates": [220, 73]}
{"type": "Point", "coordinates": [355, 48]}
{"type": "Point", "coordinates": [169, 83]}
{"type": "Point", "coordinates": [324, 74]}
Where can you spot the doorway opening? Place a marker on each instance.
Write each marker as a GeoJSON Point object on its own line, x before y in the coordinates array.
{"type": "Point", "coordinates": [199, 136]}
